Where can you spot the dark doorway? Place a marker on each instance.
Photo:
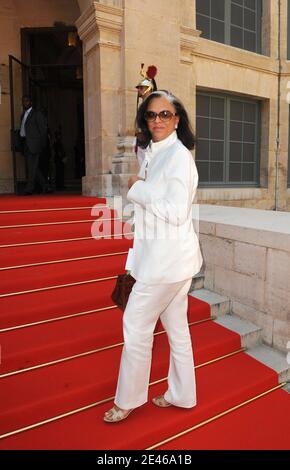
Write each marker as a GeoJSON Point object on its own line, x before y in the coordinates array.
{"type": "Point", "coordinates": [54, 58]}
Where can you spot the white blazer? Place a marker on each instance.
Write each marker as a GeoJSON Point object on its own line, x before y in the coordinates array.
{"type": "Point", "coordinates": [166, 248]}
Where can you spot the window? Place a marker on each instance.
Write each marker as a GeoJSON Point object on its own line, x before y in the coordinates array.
{"type": "Point", "coordinates": [228, 132]}
{"type": "Point", "coordinates": [233, 22]}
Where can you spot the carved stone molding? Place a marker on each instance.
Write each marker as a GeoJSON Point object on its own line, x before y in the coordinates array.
{"type": "Point", "coordinates": [125, 161]}
{"type": "Point", "coordinates": [100, 24]}
{"type": "Point", "coordinates": [113, 3]}
{"type": "Point", "coordinates": [188, 43]}
{"type": "Point", "coordinates": [126, 145]}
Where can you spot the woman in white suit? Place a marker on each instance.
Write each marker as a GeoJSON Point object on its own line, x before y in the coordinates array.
{"type": "Point", "coordinates": [165, 256]}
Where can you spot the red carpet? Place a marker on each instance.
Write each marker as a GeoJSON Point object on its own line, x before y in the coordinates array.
{"type": "Point", "coordinates": [250, 428]}
{"type": "Point", "coordinates": [16, 203]}
{"type": "Point", "coordinates": [61, 307]}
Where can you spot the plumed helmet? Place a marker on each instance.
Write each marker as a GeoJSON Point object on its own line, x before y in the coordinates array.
{"type": "Point", "coordinates": [148, 78]}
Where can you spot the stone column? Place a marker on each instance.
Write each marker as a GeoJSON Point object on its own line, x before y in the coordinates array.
{"type": "Point", "coordinates": [284, 112]}
{"type": "Point", "coordinates": [99, 28]}
{"type": "Point", "coordinates": [278, 159]}
{"type": "Point", "coordinates": [160, 34]}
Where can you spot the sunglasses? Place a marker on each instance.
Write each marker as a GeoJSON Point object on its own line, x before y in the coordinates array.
{"type": "Point", "coordinates": [163, 115]}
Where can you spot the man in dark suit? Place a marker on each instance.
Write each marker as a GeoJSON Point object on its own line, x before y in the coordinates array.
{"type": "Point", "coordinates": [33, 130]}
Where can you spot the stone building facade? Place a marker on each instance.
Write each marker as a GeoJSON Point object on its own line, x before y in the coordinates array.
{"type": "Point", "coordinates": [117, 35]}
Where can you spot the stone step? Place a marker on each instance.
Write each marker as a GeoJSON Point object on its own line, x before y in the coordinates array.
{"type": "Point", "coordinates": [197, 282]}
{"type": "Point", "coordinates": [219, 304]}
{"type": "Point", "coordinates": [276, 360]}
{"type": "Point", "coordinates": [250, 334]}
{"type": "Point", "coordinates": [220, 307]}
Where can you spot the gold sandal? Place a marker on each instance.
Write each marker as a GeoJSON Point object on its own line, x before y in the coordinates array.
{"type": "Point", "coordinates": [161, 402]}
{"type": "Point", "coordinates": [116, 414]}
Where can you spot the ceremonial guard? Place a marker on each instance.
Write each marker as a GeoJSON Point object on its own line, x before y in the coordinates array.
{"type": "Point", "coordinates": [145, 87]}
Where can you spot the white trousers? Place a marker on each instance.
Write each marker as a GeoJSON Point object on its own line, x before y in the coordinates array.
{"type": "Point", "coordinates": [145, 305]}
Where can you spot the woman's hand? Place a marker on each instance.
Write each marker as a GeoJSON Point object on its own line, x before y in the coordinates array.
{"type": "Point", "coordinates": [133, 180]}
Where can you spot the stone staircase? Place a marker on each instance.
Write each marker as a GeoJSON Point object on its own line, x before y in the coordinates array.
{"type": "Point", "coordinates": [61, 335]}
{"type": "Point", "coordinates": [251, 334]}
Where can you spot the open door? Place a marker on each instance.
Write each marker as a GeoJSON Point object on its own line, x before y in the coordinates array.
{"type": "Point", "coordinates": [19, 78]}
{"type": "Point", "coordinates": [52, 75]}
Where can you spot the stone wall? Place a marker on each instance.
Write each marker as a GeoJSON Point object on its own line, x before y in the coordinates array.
{"type": "Point", "coordinates": [247, 257]}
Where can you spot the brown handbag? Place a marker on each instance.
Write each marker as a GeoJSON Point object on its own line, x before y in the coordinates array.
{"type": "Point", "coordinates": [122, 290]}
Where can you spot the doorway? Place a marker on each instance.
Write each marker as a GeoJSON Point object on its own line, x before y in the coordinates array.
{"type": "Point", "coordinates": [55, 82]}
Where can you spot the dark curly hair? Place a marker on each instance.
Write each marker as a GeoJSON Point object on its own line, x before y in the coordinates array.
{"type": "Point", "coordinates": [184, 130]}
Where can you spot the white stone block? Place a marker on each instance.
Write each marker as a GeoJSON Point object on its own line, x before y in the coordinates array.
{"type": "Point", "coordinates": [281, 335]}
{"type": "Point", "coordinates": [219, 304]}
{"type": "Point", "coordinates": [217, 251]}
{"type": "Point", "coordinates": [249, 332]}
{"type": "Point", "coordinates": [207, 228]}
{"type": "Point", "coordinates": [238, 286]}
{"type": "Point", "coordinates": [277, 301]}
{"type": "Point", "coordinates": [278, 268]}
{"type": "Point", "coordinates": [255, 226]}
{"type": "Point", "coordinates": [250, 259]}
{"type": "Point", "coordinates": [262, 319]}
{"type": "Point", "coordinates": [209, 276]}
{"type": "Point", "coordinates": [276, 360]}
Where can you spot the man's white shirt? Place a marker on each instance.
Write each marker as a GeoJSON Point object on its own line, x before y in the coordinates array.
{"type": "Point", "coordinates": [24, 119]}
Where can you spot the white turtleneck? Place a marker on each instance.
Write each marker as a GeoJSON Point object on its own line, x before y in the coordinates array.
{"type": "Point", "coordinates": [152, 149]}
{"type": "Point", "coordinates": [157, 146]}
